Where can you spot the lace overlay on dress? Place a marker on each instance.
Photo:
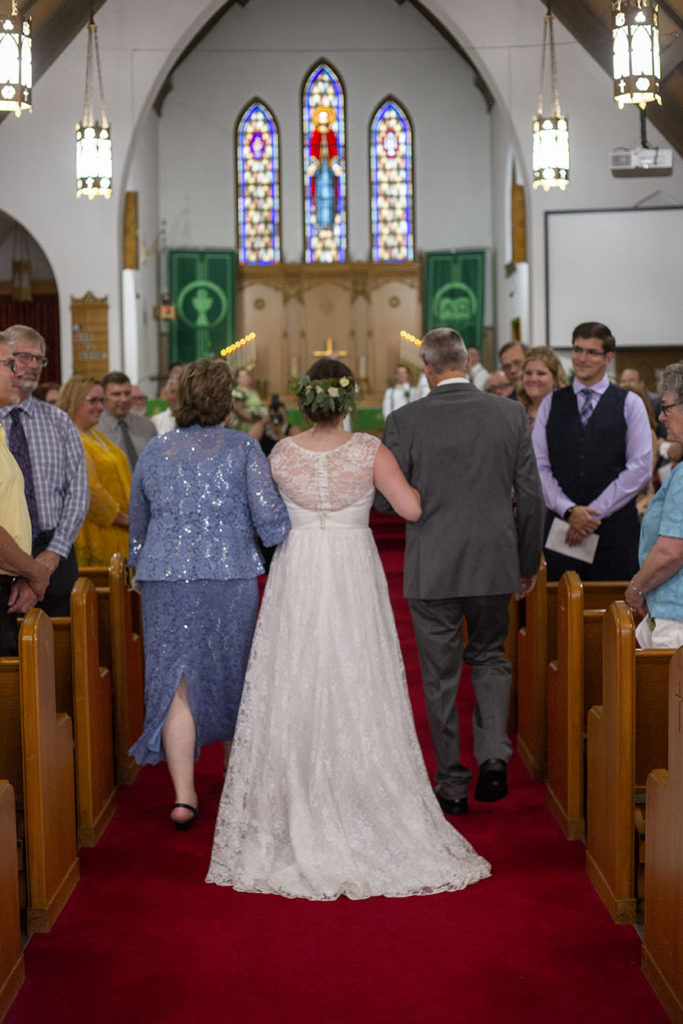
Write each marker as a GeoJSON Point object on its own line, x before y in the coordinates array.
{"type": "Point", "coordinates": [326, 792]}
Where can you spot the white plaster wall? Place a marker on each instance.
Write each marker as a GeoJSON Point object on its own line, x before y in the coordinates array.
{"type": "Point", "coordinates": [266, 49]}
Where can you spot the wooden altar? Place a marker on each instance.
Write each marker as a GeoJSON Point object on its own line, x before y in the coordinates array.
{"type": "Point", "coordinates": [297, 310]}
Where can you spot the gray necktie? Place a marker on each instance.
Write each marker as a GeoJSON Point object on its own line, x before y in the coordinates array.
{"type": "Point", "coordinates": [128, 445]}
{"type": "Point", "coordinates": [588, 403]}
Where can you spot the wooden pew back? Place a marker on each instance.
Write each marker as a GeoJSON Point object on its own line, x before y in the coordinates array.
{"type": "Point", "coordinates": [626, 740]}
{"type": "Point", "coordinates": [532, 659]}
{"type": "Point", "coordinates": [662, 956]}
{"type": "Point", "coordinates": [42, 764]}
{"type": "Point", "coordinates": [121, 652]}
{"type": "Point", "coordinates": [574, 684]}
{"type": "Point", "coordinates": [12, 972]}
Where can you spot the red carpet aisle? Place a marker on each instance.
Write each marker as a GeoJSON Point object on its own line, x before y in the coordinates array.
{"type": "Point", "coordinates": [142, 939]}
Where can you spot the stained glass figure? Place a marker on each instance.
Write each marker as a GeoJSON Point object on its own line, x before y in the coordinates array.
{"type": "Point", "coordinates": [391, 184]}
{"type": "Point", "coordinates": [324, 163]}
{"type": "Point", "coordinates": [258, 186]}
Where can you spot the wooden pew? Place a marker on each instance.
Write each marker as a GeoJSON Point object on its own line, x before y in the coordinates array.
{"type": "Point", "coordinates": [532, 660]}
{"type": "Point", "coordinates": [627, 738]}
{"type": "Point", "coordinates": [662, 954]}
{"type": "Point", "coordinates": [573, 685]}
{"type": "Point", "coordinates": [83, 691]}
{"type": "Point", "coordinates": [12, 972]}
{"type": "Point", "coordinates": [121, 652]}
{"type": "Point", "coordinates": [36, 757]}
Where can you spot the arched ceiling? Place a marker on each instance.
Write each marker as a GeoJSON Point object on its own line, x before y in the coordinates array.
{"type": "Point", "coordinates": [57, 22]}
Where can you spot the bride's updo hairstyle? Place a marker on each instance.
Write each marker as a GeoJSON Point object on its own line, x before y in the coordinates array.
{"type": "Point", "coordinates": [327, 391]}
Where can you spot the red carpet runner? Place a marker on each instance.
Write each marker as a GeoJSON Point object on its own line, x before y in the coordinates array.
{"type": "Point", "coordinates": [143, 939]}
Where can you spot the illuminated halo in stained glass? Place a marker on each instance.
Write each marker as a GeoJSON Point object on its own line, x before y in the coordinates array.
{"type": "Point", "coordinates": [324, 167]}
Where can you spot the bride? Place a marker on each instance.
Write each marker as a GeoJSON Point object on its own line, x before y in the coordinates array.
{"type": "Point", "coordinates": [326, 792]}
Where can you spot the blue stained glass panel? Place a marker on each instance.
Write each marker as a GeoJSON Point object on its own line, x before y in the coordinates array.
{"type": "Point", "coordinates": [258, 186]}
{"type": "Point", "coordinates": [391, 184]}
{"type": "Point", "coordinates": [324, 167]}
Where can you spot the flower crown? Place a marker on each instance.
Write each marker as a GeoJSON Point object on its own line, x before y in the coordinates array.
{"type": "Point", "coordinates": [332, 394]}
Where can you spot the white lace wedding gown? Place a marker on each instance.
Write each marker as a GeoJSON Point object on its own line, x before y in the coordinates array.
{"type": "Point", "coordinates": [326, 792]}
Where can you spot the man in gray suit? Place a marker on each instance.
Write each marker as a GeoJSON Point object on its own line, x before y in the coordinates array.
{"type": "Point", "coordinates": [129, 432]}
{"type": "Point", "coordinates": [466, 452]}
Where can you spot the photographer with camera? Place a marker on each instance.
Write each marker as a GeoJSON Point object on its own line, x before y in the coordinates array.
{"type": "Point", "coordinates": [272, 427]}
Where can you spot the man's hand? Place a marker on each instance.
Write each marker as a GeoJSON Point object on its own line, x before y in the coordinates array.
{"type": "Point", "coordinates": [39, 579]}
{"type": "Point", "coordinates": [526, 585]}
{"type": "Point", "coordinates": [583, 520]}
{"type": "Point", "coordinates": [50, 559]}
{"type": "Point", "coordinates": [22, 598]}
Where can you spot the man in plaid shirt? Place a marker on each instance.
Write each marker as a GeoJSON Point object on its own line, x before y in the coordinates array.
{"type": "Point", "coordinates": [54, 469]}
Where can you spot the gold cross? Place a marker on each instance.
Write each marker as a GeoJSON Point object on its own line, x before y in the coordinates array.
{"type": "Point", "coordinates": [329, 351]}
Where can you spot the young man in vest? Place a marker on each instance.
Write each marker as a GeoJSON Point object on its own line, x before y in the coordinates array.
{"type": "Point", "coordinates": [593, 447]}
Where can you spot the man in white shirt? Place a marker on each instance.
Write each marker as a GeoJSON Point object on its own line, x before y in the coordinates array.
{"type": "Point", "coordinates": [165, 420]}
{"type": "Point", "coordinates": [400, 393]}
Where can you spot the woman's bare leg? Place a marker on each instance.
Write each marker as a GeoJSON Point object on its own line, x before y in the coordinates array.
{"type": "Point", "coordinates": [178, 734]}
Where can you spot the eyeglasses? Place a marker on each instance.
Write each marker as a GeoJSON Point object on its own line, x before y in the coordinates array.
{"type": "Point", "coordinates": [24, 358]}
{"type": "Point", "coordinates": [11, 363]}
{"type": "Point", "coordinates": [664, 409]}
{"type": "Point", "coordinates": [594, 353]}
{"type": "Point", "coordinates": [95, 401]}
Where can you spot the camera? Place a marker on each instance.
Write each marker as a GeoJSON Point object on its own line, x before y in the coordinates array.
{"type": "Point", "coordinates": [274, 412]}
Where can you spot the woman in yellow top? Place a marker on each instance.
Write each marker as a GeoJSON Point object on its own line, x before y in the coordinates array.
{"type": "Point", "coordinates": [105, 528]}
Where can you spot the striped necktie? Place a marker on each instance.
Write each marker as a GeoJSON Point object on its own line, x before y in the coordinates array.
{"type": "Point", "coordinates": [18, 445]}
{"type": "Point", "coordinates": [588, 405]}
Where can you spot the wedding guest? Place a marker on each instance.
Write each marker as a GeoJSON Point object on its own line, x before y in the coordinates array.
{"type": "Point", "coordinates": [542, 372]}
{"type": "Point", "coordinates": [247, 407]}
{"type": "Point", "coordinates": [131, 433]}
{"type": "Point", "coordinates": [477, 372]}
{"type": "Point", "coordinates": [656, 589]}
{"type": "Point", "coordinates": [497, 384]}
{"type": "Point", "coordinates": [165, 420]}
{"type": "Point", "coordinates": [48, 392]}
{"type": "Point", "coordinates": [198, 495]}
{"type": "Point", "coordinates": [105, 528]}
{"type": "Point", "coordinates": [138, 400]}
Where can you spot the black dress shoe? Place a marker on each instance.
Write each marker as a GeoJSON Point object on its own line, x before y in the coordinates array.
{"type": "Point", "coordinates": [449, 805]}
{"type": "Point", "coordinates": [492, 783]}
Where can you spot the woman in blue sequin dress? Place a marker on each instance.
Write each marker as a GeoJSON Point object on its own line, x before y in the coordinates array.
{"type": "Point", "coordinates": [198, 494]}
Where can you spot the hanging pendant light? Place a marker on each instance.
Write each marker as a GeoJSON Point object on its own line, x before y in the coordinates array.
{"type": "Point", "coordinates": [635, 52]}
{"type": "Point", "coordinates": [93, 134]}
{"type": "Point", "coordinates": [550, 150]}
{"type": "Point", "coordinates": [16, 73]}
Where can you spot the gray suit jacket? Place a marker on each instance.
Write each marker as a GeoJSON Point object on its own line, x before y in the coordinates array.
{"type": "Point", "coordinates": [465, 452]}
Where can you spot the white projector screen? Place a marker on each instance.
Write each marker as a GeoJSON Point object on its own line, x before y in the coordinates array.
{"type": "Point", "coordinates": [623, 268]}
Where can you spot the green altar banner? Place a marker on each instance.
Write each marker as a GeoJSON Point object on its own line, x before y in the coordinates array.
{"type": "Point", "coordinates": [202, 285]}
{"type": "Point", "coordinates": [453, 292]}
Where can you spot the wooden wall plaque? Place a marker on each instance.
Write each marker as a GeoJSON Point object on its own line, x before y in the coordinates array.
{"type": "Point", "coordinates": [89, 331]}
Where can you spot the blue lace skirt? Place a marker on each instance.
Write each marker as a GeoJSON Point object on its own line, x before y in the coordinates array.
{"type": "Point", "coordinates": [200, 630]}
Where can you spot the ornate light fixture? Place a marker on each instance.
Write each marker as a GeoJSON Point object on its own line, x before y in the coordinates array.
{"type": "Point", "coordinates": [93, 134]}
{"type": "Point", "coordinates": [16, 71]}
{"type": "Point", "coordinates": [635, 52]}
{"type": "Point", "coordinates": [550, 153]}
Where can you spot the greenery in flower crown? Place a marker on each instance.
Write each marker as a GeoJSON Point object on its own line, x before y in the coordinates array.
{"type": "Point", "coordinates": [331, 394]}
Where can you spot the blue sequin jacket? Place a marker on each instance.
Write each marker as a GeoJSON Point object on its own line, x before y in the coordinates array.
{"type": "Point", "coordinates": [197, 495]}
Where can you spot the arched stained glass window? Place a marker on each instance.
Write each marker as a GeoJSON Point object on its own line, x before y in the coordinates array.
{"type": "Point", "coordinates": [324, 164]}
{"type": "Point", "coordinates": [391, 184]}
{"type": "Point", "coordinates": [258, 185]}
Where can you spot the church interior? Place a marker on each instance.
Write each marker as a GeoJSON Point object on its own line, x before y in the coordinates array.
{"type": "Point", "coordinates": [295, 178]}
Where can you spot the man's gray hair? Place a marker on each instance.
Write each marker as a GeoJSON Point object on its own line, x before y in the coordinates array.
{"type": "Point", "coordinates": [443, 349]}
{"type": "Point", "coordinates": [671, 381]}
{"type": "Point", "coordinates": [19, 332]}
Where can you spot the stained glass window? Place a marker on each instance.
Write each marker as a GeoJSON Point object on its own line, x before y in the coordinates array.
{"type": "Point", "coordinates": [258, 186]}
{"type": "Point", "coordinates": [324, 164]}
{"type": "Point", "coordinates": [391, 184]}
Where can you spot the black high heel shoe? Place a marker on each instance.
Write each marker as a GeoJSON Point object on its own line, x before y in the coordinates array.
{"type": "Point", "coordinates": [182, 826]}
